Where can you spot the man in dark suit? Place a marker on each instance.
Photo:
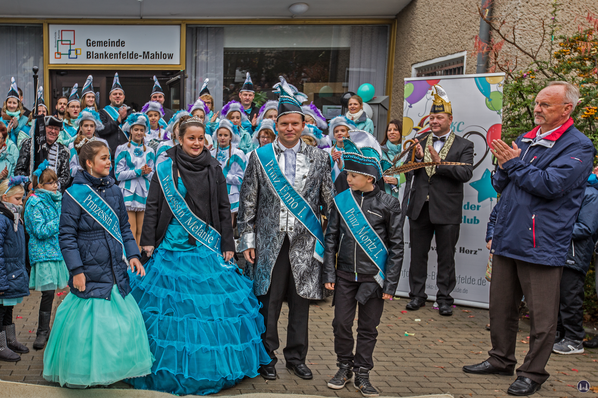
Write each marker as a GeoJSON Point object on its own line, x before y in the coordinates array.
{"type": "Point", "coordinates": [435, 205]}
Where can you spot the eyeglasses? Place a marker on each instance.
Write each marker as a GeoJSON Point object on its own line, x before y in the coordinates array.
{"type": "Point", "coordinates": [50, 183]}
{"type": "Point", "coordinates": [544, 105]}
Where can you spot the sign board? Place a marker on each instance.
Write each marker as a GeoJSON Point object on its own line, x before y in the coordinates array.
{"type": "Point", "coordinates": [115, 44]}
{"type": "Point", "coordinates": [477, 115]}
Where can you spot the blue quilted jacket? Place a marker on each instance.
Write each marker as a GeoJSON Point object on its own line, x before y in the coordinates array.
{"type": "Point", "coordinates": [14, 281]}
{"type": "Point", "coordinates": [42, 219]}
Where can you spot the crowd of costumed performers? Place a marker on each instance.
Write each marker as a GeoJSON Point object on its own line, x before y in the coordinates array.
{"type": "Point", "coordinates": [137, 213]}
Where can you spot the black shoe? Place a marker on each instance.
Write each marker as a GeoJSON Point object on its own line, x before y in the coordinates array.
{"type": "Point", "coordinates": [12, 342]}
{"type": "Point", "coordinates": [523, 386]}
{"type": "Point", "coordinates": [301, 370]}
{"type": "Point", "coordinates": [363, 385]}
{"type": "Point", "coordinates": [445, 310]}
{"type": "Point", "coordinates": [268, 372]}
{"type": "Point", "coordinates": [591, 343]}
{"type": "Point", "coordinates": [485, 368]}
{"type": "Point", "coordinates": [341, 377]}
{"type": "Point", "coordinates": [6, 354]}
{"type": "Point", "coordinates": [415, 304]}
{"type": "Point", "coordinates": [43, 330]}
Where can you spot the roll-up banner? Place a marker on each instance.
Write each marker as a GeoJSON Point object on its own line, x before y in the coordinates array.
{"type": "Point", "coordinates": [477, 116]}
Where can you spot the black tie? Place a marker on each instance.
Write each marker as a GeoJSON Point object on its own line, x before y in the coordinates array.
{"type": "Point", "coordinates": [434, 139]}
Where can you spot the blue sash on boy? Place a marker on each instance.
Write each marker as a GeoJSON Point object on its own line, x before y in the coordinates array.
{"type": "Point", "coordinates": [99, 210]}
{"type": "Point", "coordinates": [112, 111]}
{"type": "Point", "coordinates": [362, 232]}
{"type": "Point", "coordinates": [292, 200]}
{"type": "Point", "coordinates": [195, 226]}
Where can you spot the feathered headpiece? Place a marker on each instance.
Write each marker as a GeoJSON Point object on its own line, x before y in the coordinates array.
{"type": "Point", "coordinates": [116, 84]}
{"type": "Point", "coordinates": [234, 106]}
{"type": "Point", "coordinates": [175, 118]}
{"type": "Point", "coordinates": [289, 100]}
{"type": "Point", "coordinates": [312, 131]}
{"type": "Point", "coordinates": [362, 154]}
{"type": "Point", "coordinates": [315, 113]}
{"type": "Point", "coordinates": [88, 86]}
{"type": "Point", "coordinates": [157, 88]}
{"type": "Point", "coordinates": [441, 103]}
{"type": "Point", "coordinates": [74, 94]}
{"type": "Point", "coordinates": [137, 118]}
{"type": "Point", "coordinates": [234, 130]}
{"type": "Point", "coordinates": [154, 106]}
{"type": "Point", "coordinates": [91, 115]}
{"type": "Point", "coordinates": [204, 88]}
{"type": "Point", "coordinates": [248, 85]}
{"type": "Point", "coordinates": [265, 108]}
{"type": "Point", "coordinates": [13, 91]}
{"type": "Point", "coordinates": [14, 181]}
{"type": "Point", "coordinates": [43, 165]}
{"type": "Point", "coordinates": [198, 104]}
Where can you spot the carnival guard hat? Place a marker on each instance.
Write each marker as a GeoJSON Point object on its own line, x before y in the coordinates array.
{"type": "Point", "coordinates": [199, 104]}
{"type": "Point", "coordinates": [234, 131]}
{"type": "Point", "coordinates": [233, 106]}
{"type": "Point", "coordinates": [315, 113]}
{"type": "Point", "coordinates": [40, 98]}
{"type": "Point", "coordinates": [362, 154]}
{"type": "Point", "coordinates": [154, 106]}
{"type": "Point", "coordinates": [91, 115]}
{"type": "Point", "coordinates": [441, 103]}
{"type": "Point", "coordinates": [248, 85]}
{"type": "Point", "coordinates": [289, 99]}
{"type": "Point", "coordinates": [204, 88]}
{"type": "Point", "coordinates": [265, 108]}
{"type": "Point", "coordinates": [157, 89]}
{"type": "Point", "coordinates": [13, 91]}
{"type": "Point", "coordinates": [74, 94]}
{"type": "Point", "coordinates": [116, 84]}
{"type": "Point", "coordinates": [139, 119]}
{"type": "Point", "coordinates": [88, 86]}
{"type": "Point", "coordinates": [175, 118]}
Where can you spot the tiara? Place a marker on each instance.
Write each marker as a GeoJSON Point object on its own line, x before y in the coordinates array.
{"type": "Point", "coordinates": [85, 141]}
{"type": "Point", "coordinates": [193, 119]}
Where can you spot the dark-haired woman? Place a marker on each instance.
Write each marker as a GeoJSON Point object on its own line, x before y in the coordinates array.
{"type": "Point", "coordinates": [358, 116]}
{"type": "Point", "coordinates": [391, 147]}
{"type": "Point", "coordinates": [98, 336]}
{"type": "Point", "coordinates": [201, 315]}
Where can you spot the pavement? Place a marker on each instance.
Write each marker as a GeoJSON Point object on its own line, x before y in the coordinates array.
{"type": "Point", "coordinates": [418, 353]}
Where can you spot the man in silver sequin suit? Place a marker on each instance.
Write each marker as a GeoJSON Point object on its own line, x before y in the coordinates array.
{"type": "Point", "coordinates": [278, 248]}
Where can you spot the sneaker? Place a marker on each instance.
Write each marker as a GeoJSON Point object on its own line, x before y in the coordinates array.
{"type": "Point", "coordinates": [341, 377]}
{"type": "Point", "coordinates": [362, 383]}
{"type": "Point", "coordinates": [567, 346]}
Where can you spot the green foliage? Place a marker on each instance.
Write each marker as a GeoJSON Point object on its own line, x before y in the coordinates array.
{"type": "Point", "coordinates": [590, 301]}
{"type": "Point", "coordinates": [260, 98]}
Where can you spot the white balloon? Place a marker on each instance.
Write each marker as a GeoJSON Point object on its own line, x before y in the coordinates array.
{"type": "Point", "coordinates": [368, 110]}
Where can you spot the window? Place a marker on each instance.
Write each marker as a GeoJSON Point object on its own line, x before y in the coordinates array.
{"type": "Point", "coordinates": [443, 66]}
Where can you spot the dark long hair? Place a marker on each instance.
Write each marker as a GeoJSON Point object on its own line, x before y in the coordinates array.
{"type": "Point", "coordinates": [399, 125]}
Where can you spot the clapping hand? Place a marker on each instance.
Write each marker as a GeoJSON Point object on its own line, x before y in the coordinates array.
{"type": "Point", "coordinates": [254, 120]}
{"type": "Point", "coordinates": [145, 170]}
{"type": "Point", "coordinates": [503, 152]}
{"type": "Point", "coordinates": [433, 154]}
{"type": "Point", "coordinates": [214, 117]}
{"type": "Point", "coordinates": [3, 173]}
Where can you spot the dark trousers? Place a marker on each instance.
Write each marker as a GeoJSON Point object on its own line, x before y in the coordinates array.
{"type": "Point", "coordinates": [367, 323]}
{"type": "Point", "coordinates": [570, 322]}
{"type": "Point", "coordinates": [421, 232]}
{"type": "Point", "coordinates": [511, 279]}
{"type": "Point", "coordinates": [47, 300]}
{"type": "Point", "coordinates": [6, 315]}
{"type": "Point", "coordinates": [282, 284]}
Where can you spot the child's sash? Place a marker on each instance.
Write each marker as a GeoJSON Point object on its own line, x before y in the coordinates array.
{"type": "Point", "coordinates": [99, 210]}
{"type": "Point", "coordinates": [195, 226]}
{"type": "Point", "coordinates": [291, 199]}
{"type": "Point", "coordinates": [362, 232]}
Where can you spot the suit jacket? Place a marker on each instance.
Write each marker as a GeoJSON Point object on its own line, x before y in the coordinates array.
{"type": "Point", "coordinates": [445, 188]}
{"type": "Point", "coordinates": [264, 222]}
{"type": "Point", "coordinates": [112, 132]}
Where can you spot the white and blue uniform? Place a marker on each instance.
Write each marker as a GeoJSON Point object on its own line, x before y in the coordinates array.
{"type": "Point", "coordinates": [233, 170]}
{"type": "Point", "coordinates": [153, 138]}
{"type": "Point", "coordinates": [135, 186]}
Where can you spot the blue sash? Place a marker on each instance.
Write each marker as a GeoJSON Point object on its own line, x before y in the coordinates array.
{"type": "Point", "coordinates": [112, 112]}
{"type": "Point", "coordinates": [291, 199]}
{"type": "Point", "coordinates": [195, 226]}
{"type": "Point", "coordinates": [99, 210]}
{"type": "Point", "coordinates": [362, 232]}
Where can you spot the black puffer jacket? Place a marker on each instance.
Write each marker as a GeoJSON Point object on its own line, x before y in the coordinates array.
{"type": "Point", "coordinates": [383, 212]}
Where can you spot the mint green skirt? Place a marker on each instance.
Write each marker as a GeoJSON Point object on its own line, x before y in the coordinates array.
{"type": "Point", "coordinates": [48, 275]}
{"type": "Point", "coordinates": [97, 342]}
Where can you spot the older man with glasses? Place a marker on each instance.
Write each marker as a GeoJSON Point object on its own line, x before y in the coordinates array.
{"type": "Point", "coordinates": [541, 179]}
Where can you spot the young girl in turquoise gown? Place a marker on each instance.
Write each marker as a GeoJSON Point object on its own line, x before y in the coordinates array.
{"type": "Point", "coordinates": [201, 315]}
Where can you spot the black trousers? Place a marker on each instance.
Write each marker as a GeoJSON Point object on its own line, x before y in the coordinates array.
{"type": "Point", "coordinates": [570, 323]}
{"type": "Point", "coordinates": [511, 279]}
{"type": "Point", "coordinates": [367, 324]}
{"type": "Point", "coordinates": [282, 285]}
{"type": "Point", "coordinates": [421, 232]}
{"type": "Point", "coordinates": [6, 315]}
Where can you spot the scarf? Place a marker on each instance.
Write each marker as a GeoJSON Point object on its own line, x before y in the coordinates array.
{"type": "Point", "coordinates": [354, 116]}
{"type": "Point", "coordinates": [14, 211]}
{"type": "Point", "coordinates": [201, 181]}
{"type": "Point", "coordinates": [13, 114]}
{"type": "Point", "coordinates": [393, 150]}
{"type": "Point", "coordinates": [54, 198]}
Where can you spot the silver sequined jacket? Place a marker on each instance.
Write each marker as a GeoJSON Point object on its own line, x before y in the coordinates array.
{"type": "Point", "coordinates": [263, 221]}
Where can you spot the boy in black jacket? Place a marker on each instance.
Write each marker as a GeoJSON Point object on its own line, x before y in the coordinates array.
{"type": "Point", "coordinates": [365, 230]}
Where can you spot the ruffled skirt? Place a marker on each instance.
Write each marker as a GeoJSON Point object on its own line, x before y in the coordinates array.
{"type": "Point", "coordinates": [203, 323]}
{"type": "Point", "coordinates": [97, 342]}
{"type": "Point", "coordinates": [48, 275]}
